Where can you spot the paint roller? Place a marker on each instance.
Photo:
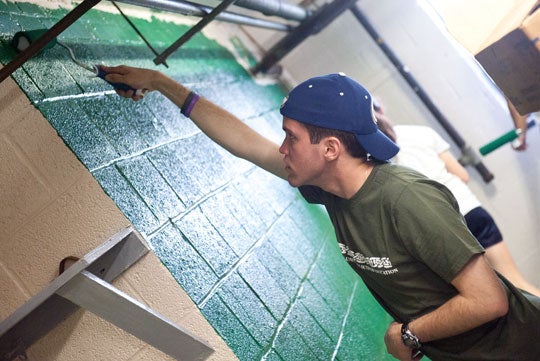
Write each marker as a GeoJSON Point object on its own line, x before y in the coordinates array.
{"type": "Point", "coordinates": [505, 138]}
{"type": "Point", "coordinates": [22, 40]}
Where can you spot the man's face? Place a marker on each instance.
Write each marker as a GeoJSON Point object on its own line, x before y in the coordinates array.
{"type": "Point", "coordinates": [304, 162]}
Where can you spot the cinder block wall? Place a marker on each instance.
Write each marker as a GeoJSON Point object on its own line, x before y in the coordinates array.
{"type": "Point", "coordinates": [253, 258]}
{"type": "Point", "coordinates": [52, 208]}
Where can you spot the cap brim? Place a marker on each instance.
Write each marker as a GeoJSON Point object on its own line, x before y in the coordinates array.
{"type": "Point", "coordinates": [378, 145]}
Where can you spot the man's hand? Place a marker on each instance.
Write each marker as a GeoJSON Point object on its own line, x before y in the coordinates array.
{"type": "Point", "coordinates": [143, 80]}
{"type": "Point", "coordinates": [396, 347]}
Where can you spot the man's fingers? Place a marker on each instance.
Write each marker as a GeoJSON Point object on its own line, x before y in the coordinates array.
{"type": "Point", "coordinates": [120, 69]}
{"type": "Point", "coordinates": [114, 77]}
{"type": "Point", "coordinates": [130, 94]}
{"type": "Point", "coordinates": [125, 77]}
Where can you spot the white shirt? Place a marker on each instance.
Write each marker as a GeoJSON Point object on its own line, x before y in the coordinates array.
{"type": "Point", "coordinates": [420, 147]}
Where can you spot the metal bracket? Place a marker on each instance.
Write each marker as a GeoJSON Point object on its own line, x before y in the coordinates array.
{"type": "Point", "coordinates": [86, 284]}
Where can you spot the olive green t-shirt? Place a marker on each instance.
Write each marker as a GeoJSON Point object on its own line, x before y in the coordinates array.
{"type": "Point", "coordinates": [404, 235]}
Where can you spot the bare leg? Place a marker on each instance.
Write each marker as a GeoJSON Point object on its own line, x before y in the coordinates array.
{"type": "Point", "coordinates": [501, 260]}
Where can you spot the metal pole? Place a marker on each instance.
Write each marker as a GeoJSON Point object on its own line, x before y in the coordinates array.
{"type": "Point", "coordinates": [277, 8]}
{"type": "Point", "coordinates": [312, 25]}
{"type": "Point", "coordinates": [184, 8]}
{"type": "Point", "coordinates": [134, 27]}
{"type": "Point", "coordinates": [48, 36]}
{"type": "Point", "coordinates": [160, 59]}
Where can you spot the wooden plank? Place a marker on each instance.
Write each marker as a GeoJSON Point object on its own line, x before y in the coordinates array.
{"type": "Point", "coordinates": [117, 307]}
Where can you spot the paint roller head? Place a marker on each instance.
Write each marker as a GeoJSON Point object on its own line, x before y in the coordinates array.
{"type": "Point", "coordinates": [22, 39]}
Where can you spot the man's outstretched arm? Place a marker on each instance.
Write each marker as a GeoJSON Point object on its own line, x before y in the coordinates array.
{"type": "Point", "coordinates": [221, 126]}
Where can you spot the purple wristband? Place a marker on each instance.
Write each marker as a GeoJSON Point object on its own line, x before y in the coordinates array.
{"type": "Point", "coordinates": [189, 103]}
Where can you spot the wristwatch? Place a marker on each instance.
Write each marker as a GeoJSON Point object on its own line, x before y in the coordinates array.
{"type": "Point", "coordinates": [409, 339]}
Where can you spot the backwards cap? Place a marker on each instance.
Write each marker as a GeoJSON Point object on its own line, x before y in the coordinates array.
{"type": "Point", "coordinates": [335, 101]}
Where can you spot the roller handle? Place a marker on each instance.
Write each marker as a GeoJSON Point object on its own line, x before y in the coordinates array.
{"type": "Point", "coordinates": [121, 86]}
{"type": "Point", "coordinates": [503, 139]}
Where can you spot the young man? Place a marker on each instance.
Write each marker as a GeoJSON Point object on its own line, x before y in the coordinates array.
{"type": "Point", "coordinates": [401, 232]}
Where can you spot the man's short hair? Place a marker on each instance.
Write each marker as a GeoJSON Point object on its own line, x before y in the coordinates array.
{"type": "Point", "coordinates": [348, 139]}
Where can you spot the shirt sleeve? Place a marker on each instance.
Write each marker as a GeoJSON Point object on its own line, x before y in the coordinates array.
{"type": "Point", "coordinates": [432, 229]}
{"type": "Point", "coordinates": [439, 144]}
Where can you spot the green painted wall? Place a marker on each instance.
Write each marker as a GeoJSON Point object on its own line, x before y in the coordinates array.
{"type": "Point", "coordinates": [260, 263]}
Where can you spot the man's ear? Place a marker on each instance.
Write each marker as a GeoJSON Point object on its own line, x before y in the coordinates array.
{"type": "Point", "coordinates": [332, 148]}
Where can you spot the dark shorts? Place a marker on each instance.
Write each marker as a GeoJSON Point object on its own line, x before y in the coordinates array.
{"type": "Point", "coordinates": [483, 227]}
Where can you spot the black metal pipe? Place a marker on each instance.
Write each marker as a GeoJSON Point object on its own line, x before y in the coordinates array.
{"type": "Point", "coordinates": [36, 46]}
{"type": "Point", "coordinates": [468, 155]}
{"type": "Point", "coordinates": [312, 25]}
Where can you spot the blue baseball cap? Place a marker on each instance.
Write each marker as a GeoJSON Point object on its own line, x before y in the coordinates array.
{"type": "Point", "coordinates": [336, 101]}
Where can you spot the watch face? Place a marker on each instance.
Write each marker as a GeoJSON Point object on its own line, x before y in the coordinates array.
{"type": "Point", "coordinates": [407, 340]}
{"type": "Point", "coordinates": [410, 340]}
